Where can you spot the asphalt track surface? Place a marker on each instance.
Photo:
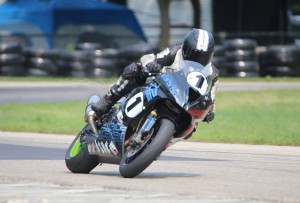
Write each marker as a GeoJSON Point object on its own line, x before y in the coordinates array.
{"type": "Point", "coordinates": [33, 170]}
{"type": "Point", "coordinates": [32, 167]}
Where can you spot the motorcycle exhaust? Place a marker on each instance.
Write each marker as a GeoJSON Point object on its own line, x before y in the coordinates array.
{"type": "Point", "coordinates": [90, 115]}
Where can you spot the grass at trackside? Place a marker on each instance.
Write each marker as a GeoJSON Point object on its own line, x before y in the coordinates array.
{"type": "Point", "coordinates": [260, 79]}
{"type": "Point", "coordinates": [57, 117]}
{"type": "Point", "coordinates": [253, 117]}
{"type": "Point", "coordinates": [263, 117]}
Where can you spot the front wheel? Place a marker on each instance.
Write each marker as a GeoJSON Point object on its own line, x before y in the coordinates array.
{"type": "Point", "coordinates": [131, 166]}
{"type": "Point", "coordinates": [78, 159]}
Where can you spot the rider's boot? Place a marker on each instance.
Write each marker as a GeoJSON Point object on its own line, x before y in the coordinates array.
{"type": "Point", "coordinates": [106, 102]}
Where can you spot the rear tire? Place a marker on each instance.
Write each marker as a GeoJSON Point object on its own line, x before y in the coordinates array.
{"type": "Point", "coordinates": [78, 159]}
{"type": "Point", "coordinates": [131, 168]}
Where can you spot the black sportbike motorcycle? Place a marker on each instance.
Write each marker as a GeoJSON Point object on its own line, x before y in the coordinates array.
{"type": "Point", "coordinates": [148, 120]}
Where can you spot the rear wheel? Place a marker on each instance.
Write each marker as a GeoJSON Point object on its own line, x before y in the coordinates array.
{"type": "Point", "coordinates": [137, 159]}
{"type": "Point", "coordinates": [78, 159]}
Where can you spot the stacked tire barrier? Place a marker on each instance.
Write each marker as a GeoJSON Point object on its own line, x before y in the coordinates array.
{"type": "Point", "coordinates": [41, 62]}
{"type": "Point", "coordinates": [241, 58]}
{"type": "Point", "coordinates": [92, 60]}
{"type": "Point", "coordinates": [105, 62]}
{"type": "Point", "coordinates": [233, 58]}
{"type": "Point", "coordinates": [133, 53]}
{"type": "Point", "coordinates": [87, 46]}
{"type": "Point", "coordinates": [11, 59]}
{"type": "Point", "coordinates": [76, 64]}
{"type": "Point", "coordinates": [280, 61]}
{"type": "Point", "coordinates": [219, 60]}
{"type": "Point", "coordinates": [111, 61]}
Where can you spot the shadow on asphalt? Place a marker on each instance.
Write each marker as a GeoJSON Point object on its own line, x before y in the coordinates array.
{"type": "Point", "coordinates": [147, 175]}
{"type": "Point", "coordinates": [177, 158]}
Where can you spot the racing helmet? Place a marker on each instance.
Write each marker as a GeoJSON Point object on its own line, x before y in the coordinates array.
{"type": "Point", "coordinates": [198, 45]}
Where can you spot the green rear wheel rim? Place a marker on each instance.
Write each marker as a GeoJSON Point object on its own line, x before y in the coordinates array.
{"type": "Point", "coordinates": [77, 148]}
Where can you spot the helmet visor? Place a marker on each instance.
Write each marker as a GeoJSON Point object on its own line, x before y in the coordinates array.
{"type": "Point", "coordinates": [192, 54]}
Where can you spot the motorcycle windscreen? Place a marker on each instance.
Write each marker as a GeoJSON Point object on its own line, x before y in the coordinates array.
{"type": "Point", "coordinates": [176, 86]}
{"type": "Point", "coordinates": [199, 77]}
{"type": "Point", "coordinates": [189, 75]}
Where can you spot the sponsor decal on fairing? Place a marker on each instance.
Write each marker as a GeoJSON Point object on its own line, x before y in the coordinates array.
{"type": "Point", "coordinates": [103, 147]}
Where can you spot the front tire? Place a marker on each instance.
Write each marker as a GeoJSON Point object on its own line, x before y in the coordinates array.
{"type": "Point", "coordinates": [131, 168]}
{"type": "Point", "coordinates": [78, 159]}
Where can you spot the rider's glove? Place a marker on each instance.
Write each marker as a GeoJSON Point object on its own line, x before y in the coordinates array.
{"type": "Point", "coordinates": [131, 71]}
{"type": "Point", "coordinates": [153, 67]}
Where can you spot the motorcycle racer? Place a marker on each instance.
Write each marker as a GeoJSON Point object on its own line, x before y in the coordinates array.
{"type": "Point", "coordinates": [198, 46]}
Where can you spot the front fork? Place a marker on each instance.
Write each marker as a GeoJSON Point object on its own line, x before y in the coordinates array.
{"type": "Point", "coordinates": [144, 130]}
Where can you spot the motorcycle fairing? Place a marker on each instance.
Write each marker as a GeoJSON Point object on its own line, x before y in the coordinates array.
{"type": "Point", "coordinates": [139, 99]}
{"type": "Point", "coordinates": [109, 142]}
{"type": "Point", "coordinates": [170, 93]}
{"type": "Point", "coordinates": [134, 105]}
{"type": "Point", "coordinates": [151, 90]}
{"type": "Point", "coordinates": [183, 89]}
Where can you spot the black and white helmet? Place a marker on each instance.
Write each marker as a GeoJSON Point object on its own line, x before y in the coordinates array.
{"type": "Point", "coordinates": [198, 45]}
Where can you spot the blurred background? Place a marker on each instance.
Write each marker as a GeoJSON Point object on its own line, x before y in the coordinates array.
{"type": "Point", "coordinates": [98, 38]}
